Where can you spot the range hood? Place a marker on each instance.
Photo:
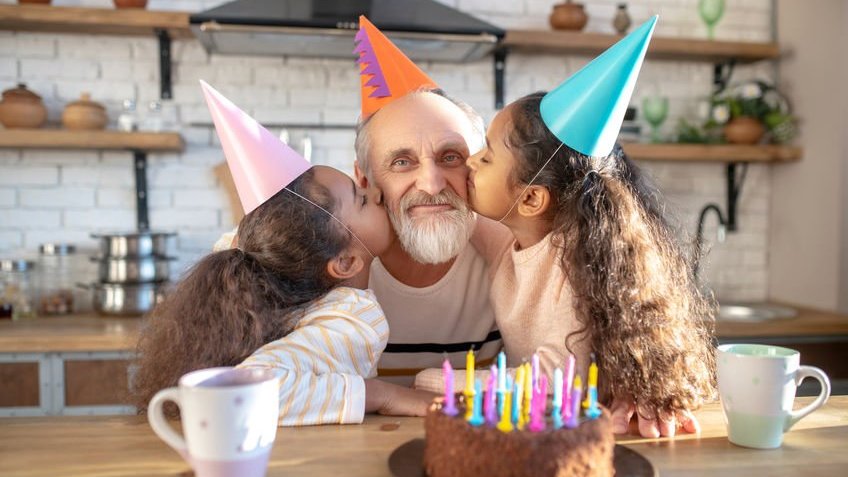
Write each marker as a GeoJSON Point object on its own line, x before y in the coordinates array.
{"type": "Point", "coordinates": [423, 29]}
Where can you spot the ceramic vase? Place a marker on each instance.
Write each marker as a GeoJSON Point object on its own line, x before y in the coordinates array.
{"type": "Point", "coordinates": [621, 21]}
{"type": "Point", "coordinates": [21, 108]}
{"type": "Point", "coordinates": [744, 130]}
{"type": "Point", "coordinates": [84, 114]}
{"type": "Point", "coordinates": [568, 16]}
{"type": "Point", "coordinates": [130, 3]}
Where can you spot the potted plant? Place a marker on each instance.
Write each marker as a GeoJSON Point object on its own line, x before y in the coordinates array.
{"type": "Point", "coordinates": [752, 110]}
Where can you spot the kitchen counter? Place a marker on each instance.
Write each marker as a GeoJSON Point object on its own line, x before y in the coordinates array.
{"type": "Point", "coordinates": [95, 333]}
{"type": "Point", "coordinates": [126, 446]}
{"type": "Point", "coordinates": [69, 333]}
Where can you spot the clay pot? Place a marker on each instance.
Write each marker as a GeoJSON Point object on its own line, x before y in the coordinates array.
{"type": "Point", "coordinates": [38, 2]}
{"type": "Point", "coordinates": [84, 114]}
{"type": "Point", "coordinates": [21, 108]}
{"type": "Point", "coordinates": [130, 3]}
{"type": "Point", "coordinates": [744, 130]}
{"type": "Point", "coordinates": [568, 16]}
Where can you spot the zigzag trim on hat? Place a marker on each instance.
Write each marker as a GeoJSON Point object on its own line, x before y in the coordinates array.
{"type": "Point", "coordinates": [368, 58]}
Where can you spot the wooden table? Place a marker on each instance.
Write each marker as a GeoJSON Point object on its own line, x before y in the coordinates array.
{"type": "Point", "coordinates": [126, 446]}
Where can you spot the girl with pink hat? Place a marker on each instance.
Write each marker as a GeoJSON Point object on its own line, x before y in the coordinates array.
{"type": "Point", "coordinates": [291, 296]}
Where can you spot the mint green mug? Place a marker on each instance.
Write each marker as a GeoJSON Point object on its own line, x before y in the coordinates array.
{"type": "Point", "coordinates": [757, 386]}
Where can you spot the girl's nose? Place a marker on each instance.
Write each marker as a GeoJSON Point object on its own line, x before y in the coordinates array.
{"type": "Point", "coordinates": [472, 162]}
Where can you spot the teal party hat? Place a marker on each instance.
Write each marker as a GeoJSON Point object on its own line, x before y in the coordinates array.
{"type": "Point", "coordinates": [585, 112]}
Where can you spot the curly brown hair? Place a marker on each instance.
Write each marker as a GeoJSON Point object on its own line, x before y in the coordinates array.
{"type": "Point", "coordinates": [232, 302]}
{"type": "Point", "coordinates": [639, 303]}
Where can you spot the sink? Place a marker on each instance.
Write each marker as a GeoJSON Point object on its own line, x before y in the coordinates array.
{"type": "Point", "coordinates": [749, 312]}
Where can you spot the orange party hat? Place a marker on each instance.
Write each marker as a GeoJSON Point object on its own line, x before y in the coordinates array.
{"type": "Point", "coordinates": [386, 73]}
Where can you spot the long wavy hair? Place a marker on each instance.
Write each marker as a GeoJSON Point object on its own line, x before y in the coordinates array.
{"type": "Point", "coordinates": [232, 302]}
{"type": "Point", "coordinates": [648, 322]}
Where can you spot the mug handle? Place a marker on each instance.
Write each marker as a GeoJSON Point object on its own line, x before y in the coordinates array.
{"type": "Point", "coordinates": [803, 373]}
{"type": "Point", "coordinates": [156, 417]}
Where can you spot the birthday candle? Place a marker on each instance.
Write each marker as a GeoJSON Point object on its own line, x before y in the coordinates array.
{"type": "Point", "coordinates": [556, 412]}
{"type": "Point", "coordinates": [505, 424]}
{"type": "Point", "coordinates": [574, 418]}
{"type": "Point", "coordinates": [501, 381]}
{"type": "Point", "coordinates": [450, 406]}
{"type": "Point", "coordinates": [540, 401]}
{"type": "Point", "coordinates": [469, 372]}
{"type": "Point", "coordinates": [490, 406]}
{"type": "Point", "coordinates": [593, 380]}
{"type": "Point", "coordinates": [477, 417]}
{"type": "Point", "coordinates": [593, 412]}
{"type": "Point", "coordinates": [528, 394]}
{"type": "Point", "coordinates": [518, 397]}
{"type": "Point", "coordinates": [566, 395]}
{"type": "Point", "coordinates": [535, 378]}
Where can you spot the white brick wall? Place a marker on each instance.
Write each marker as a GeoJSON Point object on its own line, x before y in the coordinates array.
{"type": "Point", "coordinates": [57, 195]}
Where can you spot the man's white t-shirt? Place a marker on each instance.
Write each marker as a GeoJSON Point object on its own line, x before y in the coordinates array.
{"type": "Point", "coordinates": [446, 318]}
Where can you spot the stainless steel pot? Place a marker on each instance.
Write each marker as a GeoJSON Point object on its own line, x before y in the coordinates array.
{"type": "Point", "coordinates": [133, 269]}
{"type": "Point", "coordinates": [126, 299]}
{"type": "Point", "coordinates": [133, 244]}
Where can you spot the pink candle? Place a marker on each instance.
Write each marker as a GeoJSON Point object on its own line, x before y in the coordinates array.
{"type": "Point", "coordinates": [450, 405]}
{"type": "Point", "coordinates": [491, 405]}
{"type": "Point", "coordinates": [566, 388]}
{"type": "Point", "coordinates": [535, 369]}
{"type": "Point", "coordinates": [540, 402]}
{"type": "Point", "coordinates": [573, 419]}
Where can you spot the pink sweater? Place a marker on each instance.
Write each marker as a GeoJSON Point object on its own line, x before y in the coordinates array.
{"type": "Point", "coordinates": [532, 299]}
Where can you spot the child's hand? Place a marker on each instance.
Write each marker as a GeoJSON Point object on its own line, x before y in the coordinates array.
{"type": "Point", "coordinates": [652, 423]}
{"type": "Point", "coordinates": [393, 400]}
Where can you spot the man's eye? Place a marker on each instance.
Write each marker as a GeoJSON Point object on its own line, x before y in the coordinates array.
{"type": "Point", "coordinates": [400, 163]}
{"type": "Point", "coordinates": [452, 158]}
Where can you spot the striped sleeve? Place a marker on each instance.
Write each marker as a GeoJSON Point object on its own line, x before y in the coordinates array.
{"type": "Point", "coordinates": [322, 363]}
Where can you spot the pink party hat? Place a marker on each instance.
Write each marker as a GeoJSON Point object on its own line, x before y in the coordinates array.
{"type": "Point", "coordinates": [261, 164]}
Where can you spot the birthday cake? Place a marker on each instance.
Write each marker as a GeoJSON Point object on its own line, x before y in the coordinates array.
{"type": "Point", "coordinates": [455, 448]}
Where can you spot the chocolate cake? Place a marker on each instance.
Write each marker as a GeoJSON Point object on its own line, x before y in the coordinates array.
{"type": "Point", "coordinates": [455, 448]}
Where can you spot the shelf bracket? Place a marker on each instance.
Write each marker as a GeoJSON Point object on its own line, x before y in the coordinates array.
{"type": "Point", "coordinates": [500, 70]}
{"type": "Point", "coordinates": [164, 63]}
{"type": "Point", "coordinates": [721, 74]}
{"type": "Point", "coordinates": [141, 212]}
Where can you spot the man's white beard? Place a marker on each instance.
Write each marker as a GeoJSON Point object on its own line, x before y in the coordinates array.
{"type": "Point", "coordinates": [433, 238]}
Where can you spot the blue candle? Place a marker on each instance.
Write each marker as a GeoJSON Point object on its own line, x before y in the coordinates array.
{"type": "Point", "coordinates": [501, 381]}
{"type": "Point", "coordinates": [576, 391]}
{"type": "Point", "coordinates": [477, 416]}
{"type": "Point", "coordinates": [556, 413]}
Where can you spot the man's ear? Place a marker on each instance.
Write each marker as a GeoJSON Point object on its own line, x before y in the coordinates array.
{"type": "Point", "coordinates": [535, 201]}
{"type": "Point", "coordinates": [361, 178]}
{"type": "Point", "coordinates": [345, 266]}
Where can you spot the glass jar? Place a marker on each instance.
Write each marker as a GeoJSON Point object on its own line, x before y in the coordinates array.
{"type": "Point", "coordinates": [16, 290]}
{"type": "Point", "coordinates": [128, 120]}
{"type": "Point", "coordinates": [56, 272]}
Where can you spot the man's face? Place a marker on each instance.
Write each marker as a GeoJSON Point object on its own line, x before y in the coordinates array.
{"type": "Point", "coordinates": [417, 150]}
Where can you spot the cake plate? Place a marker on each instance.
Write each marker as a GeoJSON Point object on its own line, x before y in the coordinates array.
{"type": "Point", "coordinates": [406, 461]}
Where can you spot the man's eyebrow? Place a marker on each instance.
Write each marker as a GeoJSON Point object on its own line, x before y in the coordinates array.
{"type": "Point", "coordinates": [401, 151]}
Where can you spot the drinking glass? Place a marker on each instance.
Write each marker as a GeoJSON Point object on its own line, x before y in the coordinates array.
{"type": "Point", "coordinates": [711, 12]}
{"type": "Point", "coordinates": [655, 109]}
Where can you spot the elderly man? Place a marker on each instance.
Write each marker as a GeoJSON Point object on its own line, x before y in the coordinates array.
{"type": "Point", "coordinates": [411, 147]}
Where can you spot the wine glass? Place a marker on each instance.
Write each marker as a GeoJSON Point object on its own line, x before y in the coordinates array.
{"type": "Point", "coordinates": [711, 12]}
{"type": "Point", "coordinates": [655, 109]}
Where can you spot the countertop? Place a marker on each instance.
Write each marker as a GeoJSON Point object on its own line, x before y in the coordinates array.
{"type": "Point", "coordinates": [126, 446]}
{"type": "Point", "coordinates": [95, 333]}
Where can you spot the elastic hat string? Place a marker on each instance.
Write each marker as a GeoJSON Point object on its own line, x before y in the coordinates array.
{"type": "Point", "coordinates": [334, 218]}
{"type": "Point", "coordinates": [518, 199]}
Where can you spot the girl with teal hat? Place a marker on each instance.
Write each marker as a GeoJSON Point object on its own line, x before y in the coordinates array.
{"type": "Point", "coordinates": [590, 263]}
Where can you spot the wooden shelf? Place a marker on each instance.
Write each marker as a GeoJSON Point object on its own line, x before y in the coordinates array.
{"type": "Point", "coordinates": [104, 21]}
{"type": "Point", "coordinates": [711, 153]}
{"type": "Point", "coordinates": [549, 41]}
{"type": "Point", "coordinates": [108, 140]}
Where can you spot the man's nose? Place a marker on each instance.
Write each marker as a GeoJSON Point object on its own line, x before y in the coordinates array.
{"type": "Point", "coordinates": [430, 179]}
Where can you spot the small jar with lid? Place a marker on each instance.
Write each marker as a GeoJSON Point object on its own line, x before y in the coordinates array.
{"type": "Point", "coordinates": [56, 279]}
{"type": "Point", "coordinates": [16, 297]}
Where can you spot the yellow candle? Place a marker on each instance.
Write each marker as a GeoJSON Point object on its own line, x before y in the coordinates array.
{"type": "Point", "coordinates": [519, 396]}
{"type": "Point", "coordinates": [528, 394]}
{"type": "Point", "coordinates": [505, 424]}
{"type": "Point", "coordinates": [593, 382]}
{"type": "Point", "coordinates": [469, 373]}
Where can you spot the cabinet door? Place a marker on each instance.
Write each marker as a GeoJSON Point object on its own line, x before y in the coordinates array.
{"type": "Point", "coordinates": [96, 382]}
{"type": "Point", "coordinates": [19, 385]}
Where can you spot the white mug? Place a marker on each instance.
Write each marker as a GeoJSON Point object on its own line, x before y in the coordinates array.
{"type": "Point", "coordinates": [757, 386]}
{"type": "Point", "coordinates": [229, 419]}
